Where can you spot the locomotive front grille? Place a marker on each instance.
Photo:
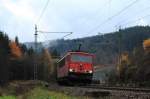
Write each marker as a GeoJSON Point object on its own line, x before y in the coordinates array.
{"type": "Point", "coordinates": [80, 76]}
{"type": "Point", "coordinates": [81, 67]}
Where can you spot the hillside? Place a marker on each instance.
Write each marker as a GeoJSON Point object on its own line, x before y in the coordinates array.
{"type": "Point", "coordinates": [106, 47]}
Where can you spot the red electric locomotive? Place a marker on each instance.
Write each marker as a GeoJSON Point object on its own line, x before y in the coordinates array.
{"type": "Point", "coordinates": [75, 67]}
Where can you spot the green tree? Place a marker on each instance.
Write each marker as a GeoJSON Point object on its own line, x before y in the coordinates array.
{"type": "Point", "coordinates": [16, 40]}
{"type": "Point", "coordinates": [4, 57]}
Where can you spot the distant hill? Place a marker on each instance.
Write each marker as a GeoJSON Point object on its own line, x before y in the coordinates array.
{"type": "Point", "coordinates": [106, 47]}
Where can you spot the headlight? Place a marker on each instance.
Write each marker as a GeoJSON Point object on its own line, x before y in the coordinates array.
{"type": "Point", "coordinates": [90, 71]}
{"type": "Point", "coordinates": [71, 70]}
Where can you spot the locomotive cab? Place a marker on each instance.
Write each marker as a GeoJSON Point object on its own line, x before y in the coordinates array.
{"type": "Point", "coordinates": [81, 67]}
{"type": "Point", "coordinates": [81, 63]}
{"type": "Point", "coordinates": [76, 67]}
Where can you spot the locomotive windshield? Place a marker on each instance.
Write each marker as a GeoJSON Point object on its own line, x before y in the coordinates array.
{"type": "Point", "coordinates": [81, 58]}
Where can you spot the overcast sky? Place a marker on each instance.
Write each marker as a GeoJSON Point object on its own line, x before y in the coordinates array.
{"type": "Point", "coordinates": [82, 17]}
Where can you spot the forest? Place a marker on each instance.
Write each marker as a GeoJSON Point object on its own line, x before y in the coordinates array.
{"type": "Point", "coordinates": [17, 62]}
{"type": "Point", "coordinates": [131, 45]}
{"type": "Point", "coordinates": [106, 47]}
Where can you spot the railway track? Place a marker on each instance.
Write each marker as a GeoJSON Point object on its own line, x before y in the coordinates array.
{"type": "Point", "coordinates": [97, 91]}
{"type": "Point", "coordinates": [117, 92]}
{"type": "Point", "coordinates": [134, 89]}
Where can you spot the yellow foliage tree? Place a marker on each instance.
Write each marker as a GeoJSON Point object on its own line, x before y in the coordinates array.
{"type": "Point", "coordinates": [123, 63]}
{"type": "Point", "coordinates": [125, 57]}
{"type": "Point", "coordinates": [146, 45]}
{"type": "Point", "coordinates": [15, 50]}
{"type": "Point", "coordinates": [47, 64]}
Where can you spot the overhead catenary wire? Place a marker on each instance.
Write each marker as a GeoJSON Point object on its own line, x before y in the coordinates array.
{"type": "Point", "coordinates": [42, 12]}
{"type": "Point", "coordinates": [47, 32]}
{"type": "Point", "coordinates": [128, 22]}
{"type": "Point", "coordinates": [97, 11]}
{"type": "Point", "coordinates": [40, 16]}
{"type": "Point", "coordinates": [124, 22]}
{"type": "Point", "coordinates": [111, 17]}
{"type": "Point", "coordinates": [53, 32]}
{"type": "Point", "coordinates": [141, 10]}
{"type": "Point", "coordinates": [109, 7]}
{"type": "Point", "coordinates": [136, 20]}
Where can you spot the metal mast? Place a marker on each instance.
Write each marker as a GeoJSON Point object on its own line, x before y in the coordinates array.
{"type": "Point", "coordinates": [36, 47]}
{"type": "Point", "coordinates": [35, 59]}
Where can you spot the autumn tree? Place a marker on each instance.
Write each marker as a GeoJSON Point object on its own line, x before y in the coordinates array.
{"type": "Point", "coordinates": [123, 65]}
{"type": "Point", "coordinates": [15, 50]}
{"type": "Point", "coordinates": [143, 70]}
{"type": "Point", "coordinates": [46, 67]}
{"type": "Point", "coordinates": [146, 45]}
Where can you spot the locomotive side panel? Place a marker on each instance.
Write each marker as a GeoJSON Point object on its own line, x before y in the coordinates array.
{"type": "Point", "coordinates": [62, 68]}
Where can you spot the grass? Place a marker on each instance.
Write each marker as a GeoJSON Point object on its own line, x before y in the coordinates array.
{"type": "Point", "coordinates": [21, 90]}
{"type": "Point", "coordinates": [42, 93]}
{"type": "Point", "coordinates": [7, 97]}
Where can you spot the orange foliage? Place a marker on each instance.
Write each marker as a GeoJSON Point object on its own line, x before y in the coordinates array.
{"type": "Point", "coordinates": [15, 50]}
{"type": "Point", "coordinates": [125, 56]}
{"type": "Point", "coordinates": [146, 45]}
{"type": "Point", "coordinates": [47, 59]}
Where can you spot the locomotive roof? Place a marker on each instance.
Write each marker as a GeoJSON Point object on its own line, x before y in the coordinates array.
{"type": "Point", "coordinates": [78, 52]}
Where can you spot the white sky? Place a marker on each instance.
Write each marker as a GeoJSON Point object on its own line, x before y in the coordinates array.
{"type": "Point", "coordinates": [18, 17]}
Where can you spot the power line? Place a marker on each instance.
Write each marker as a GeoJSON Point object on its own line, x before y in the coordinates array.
{"type": "Point", "coordinates": [66, 33]}
{"type": "Point", "coordinates": [53, 32]}
{"type": "Point", "coordinates": [97, 11]}
{"type": "Point", "coordinates": [109, 7]}
{"type": "Point", "coordinates": [126, 23]}
{"type": "Point", "coordinates": [141, 10]}
{"type": "Point", "coordinates": [42, 12]}
{"type": "Point", "coordinates": [136, 19]}
{"type": "Point", "coordinates": [110, 18]}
